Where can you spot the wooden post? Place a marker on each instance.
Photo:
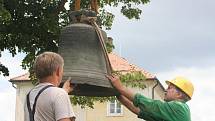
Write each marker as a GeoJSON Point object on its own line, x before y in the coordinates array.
{"type": "Point", "coordinates": [94, 6]}
{"type": "Point", "coordinates": [77, 5]}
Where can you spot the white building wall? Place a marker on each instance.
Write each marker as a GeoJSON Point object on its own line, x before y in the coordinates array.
{"type": "Point", "coordinates": [81, 114]}
{"type": "Point", "coordinates": [21, 92]}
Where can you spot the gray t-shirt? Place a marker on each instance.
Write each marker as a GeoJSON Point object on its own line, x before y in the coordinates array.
{"type": "Point", "coordinates": [53, 104]}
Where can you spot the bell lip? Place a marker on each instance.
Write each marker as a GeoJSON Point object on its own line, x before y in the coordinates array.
{"type": "Point", "coordinates": [88, 81]}
{"type": "Point", "coordinates": [97, 91]}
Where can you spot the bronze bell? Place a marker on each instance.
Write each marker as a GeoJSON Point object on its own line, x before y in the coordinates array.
{"type": "Point", "coordinates": [84, 60]}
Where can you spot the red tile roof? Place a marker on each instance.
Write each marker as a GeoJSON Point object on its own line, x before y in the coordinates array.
{"type": "Point", "coordinates": [24, 77]}
{"type": "Point", "coordinates": [118, 64]}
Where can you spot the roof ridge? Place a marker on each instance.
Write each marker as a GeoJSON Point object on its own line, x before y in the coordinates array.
{"type": "Point", "coordinates": [17, 77]}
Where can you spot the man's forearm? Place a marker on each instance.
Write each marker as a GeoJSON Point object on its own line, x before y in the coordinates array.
{"type": "Point", "coordinates": [127, 93]}
{"type": "Point", "coordinates": [122, 89]}
{"type": "Point", "coordinates": [126, 102]}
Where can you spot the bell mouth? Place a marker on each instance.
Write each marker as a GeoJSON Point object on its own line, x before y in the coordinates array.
{"type": "Point", "coordinates": [93, 91]}
{"type": "Point", "coordinates": [92, 87]}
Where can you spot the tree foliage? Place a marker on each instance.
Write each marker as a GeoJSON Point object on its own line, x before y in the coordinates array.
{"type": "Point", "coordinates": [33, 26]}
{"type": "Point", "coordinates": [4, 70]}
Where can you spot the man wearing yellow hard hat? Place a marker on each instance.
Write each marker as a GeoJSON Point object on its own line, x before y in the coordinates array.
{"type": "Point", "coordinates": [174, 108]}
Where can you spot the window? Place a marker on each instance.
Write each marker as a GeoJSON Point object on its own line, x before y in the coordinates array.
{"type": "Point", "coordinates": [114, 108]}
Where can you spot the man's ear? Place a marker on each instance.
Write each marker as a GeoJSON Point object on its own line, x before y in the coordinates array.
{"type": "Point", "coordinates": [58, 71]}
{"type": "Point", "coordinates": [180, 95]}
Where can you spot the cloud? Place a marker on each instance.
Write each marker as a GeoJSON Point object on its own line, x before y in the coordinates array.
{"type": "Point", "coordinates": [167, 36]}
{"type": "Point", "coordinates": [203, 98]}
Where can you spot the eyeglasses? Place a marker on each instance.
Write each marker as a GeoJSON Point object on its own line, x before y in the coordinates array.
{"type": "Point", "coordinates": [173, 87]}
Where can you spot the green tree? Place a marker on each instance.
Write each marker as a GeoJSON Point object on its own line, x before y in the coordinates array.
{"type": "Point", "coordinates": [33, 26]}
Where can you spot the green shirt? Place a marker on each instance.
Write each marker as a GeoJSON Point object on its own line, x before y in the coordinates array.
{"type": "Point", "coordinates": [156, 110]}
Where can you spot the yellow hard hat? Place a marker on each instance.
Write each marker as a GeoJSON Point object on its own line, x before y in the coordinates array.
{"type": "Point", "coordinates": [184, 84]}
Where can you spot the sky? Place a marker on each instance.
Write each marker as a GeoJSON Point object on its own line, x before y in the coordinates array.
{"type": "Point", "coordinates": [172, 38]}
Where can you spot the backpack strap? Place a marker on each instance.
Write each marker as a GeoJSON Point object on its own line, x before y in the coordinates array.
{"type": "Point", "coordinates": [32, 112]}
{"type": "Point", "coordinates": [29, 108]}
